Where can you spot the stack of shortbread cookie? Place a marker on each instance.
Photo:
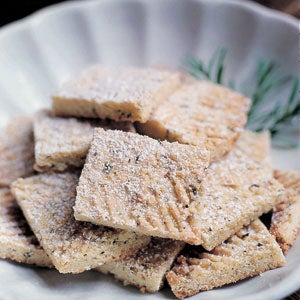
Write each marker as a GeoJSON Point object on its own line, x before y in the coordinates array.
{"type": "Point", "coordinates": [147, 175]}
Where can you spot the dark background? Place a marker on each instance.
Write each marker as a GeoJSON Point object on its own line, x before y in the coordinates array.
{"type": "Point", "coordinates": [11, 10]}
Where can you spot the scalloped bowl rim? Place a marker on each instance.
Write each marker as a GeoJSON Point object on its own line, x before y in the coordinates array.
{"type": "Point", "coordinates": [73, 4]}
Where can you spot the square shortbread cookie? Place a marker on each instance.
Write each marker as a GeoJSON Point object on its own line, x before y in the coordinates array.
{"type": "Point", "coordinates": [285, 223]}
{"type": "Point", "coordinates": [202, 113]}
{"type": "Point", "coordinates": [17, 241]}
{"type": "Point", "coordinates": [64, 142]}
{"type": "Point", "coordinates": [146, 269]}
{"type": "Point", "coordinates": [16, 150]}
{"type": "Point", "coordinates": [253, 250]}
{"type": "Point", "coordinates": [237, 189]}
{"type": "Point", "coordinates": [138, 183]}
{"type": "Point", "coordinates": [47, 202]}
{"type": "Point", "coordinates": [120, 94]}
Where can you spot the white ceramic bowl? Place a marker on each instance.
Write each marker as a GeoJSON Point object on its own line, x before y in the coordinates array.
{"type": "Point", "coordinates": [45, 49]}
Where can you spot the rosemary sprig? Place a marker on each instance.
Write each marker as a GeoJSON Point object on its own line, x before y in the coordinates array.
{"type": "Point", "coordinates": [263, 115]}
{"type": "Point", "coordinates": [212, 71]}
{"type": "Point", "coordinates": [281, 113]}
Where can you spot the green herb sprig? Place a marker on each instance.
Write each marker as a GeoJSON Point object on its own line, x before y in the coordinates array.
{"type": "Point", "coordinates": [262, 115]}
{"type": "Point", "coordinates": [213, 71]}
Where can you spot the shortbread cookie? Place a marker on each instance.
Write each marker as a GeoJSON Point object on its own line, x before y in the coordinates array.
{"type": "Point", "coordinates": [121, 94]}
{"type": "Point", "coordinates": [285, 223]}
{"type": "Point", "coordinates": [257, 145]}
{"type": "Point", "coordinates": [147, 268]}
{"type": "Point", "coordinates": [137, 183]}
{"type": "Point", "coordinates": [47, 202]}
{"type": "Point", "coordinates": [62, 142]}
{"type": "Point", "coordinates": [16, 150]}
{"type": "Point", "coordinates": [237, 189]}
{"type": "Point", "coordinates": [158, 188]}
{"type": "Point", "coordinates": [253, 250]}
{"type": "Point", "coordinates": [200, 114]}
{"type": "Point", "coordinates": [17, 242]}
